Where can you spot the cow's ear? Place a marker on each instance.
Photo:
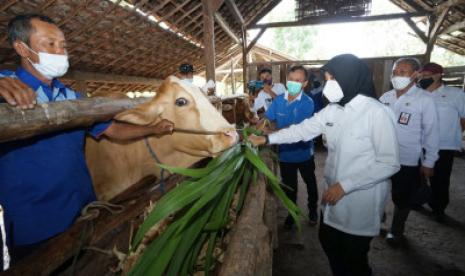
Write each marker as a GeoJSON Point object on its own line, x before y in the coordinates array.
{"type": "Point", "coordinates": [144, 114]}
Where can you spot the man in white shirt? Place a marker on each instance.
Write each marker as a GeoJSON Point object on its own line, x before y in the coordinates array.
{"type": "Point", "coordinates": [269, 91]}
{"type": "Point", "coordinates": [417, 131]}
{"type": "Point", "coordinates": [362, 154]}
{"type": "Point", "coordinates": [450, 103]}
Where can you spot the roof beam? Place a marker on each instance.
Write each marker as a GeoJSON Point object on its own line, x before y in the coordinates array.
{"type": "Point", "coordinates": [337, 19]}
{"type": "Point", "coordinates": [435, 25]}
{"type": "Point", "coordinates": [454, 27]}
{"type": "Point", "coordinates": [264, 11]}
{"type": "Point", "coordinates": [254, 41]}
{"type": "Point", "coordinates": [417, 30]}
{"type": "Point", "coordinates": [235, 11]}
{"type": "Point", "coordinates": [226, 28]}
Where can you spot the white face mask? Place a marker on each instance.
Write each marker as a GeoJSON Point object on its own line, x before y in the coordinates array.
{"type": "Point", "coordinates": [188, 81]}
{"type": "Point", "coordinates": [50, 65]}
{"type": "Point", "coordinates": [400, 83]}
{"type": "Point", "coordinates": [332, 91]}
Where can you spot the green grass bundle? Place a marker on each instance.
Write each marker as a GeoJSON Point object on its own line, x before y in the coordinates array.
{"type": "Point", "coordinates": [192, 219]}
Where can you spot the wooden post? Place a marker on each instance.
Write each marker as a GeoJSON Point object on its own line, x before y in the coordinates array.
{"type": "Point", "coordinates": [436, 21]}
{"type": "Point", "coordinates": [209, 38]}
{"type": "Point", "coordinates": [244, 58]}
{"type": "Point", "coordinates": [233, 78]}
{"type": "Point", "coordinates": [50, 117]}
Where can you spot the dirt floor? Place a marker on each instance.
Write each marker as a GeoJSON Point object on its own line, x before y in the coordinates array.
{"type": "Point", "coordinates": [432, 248]}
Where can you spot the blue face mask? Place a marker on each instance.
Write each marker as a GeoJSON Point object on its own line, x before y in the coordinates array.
{"type": "Point", "coordinates": [294, 87]}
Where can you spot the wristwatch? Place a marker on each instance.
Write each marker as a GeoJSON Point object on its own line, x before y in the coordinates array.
{"type": "Point", "coordinates": [267, 141]}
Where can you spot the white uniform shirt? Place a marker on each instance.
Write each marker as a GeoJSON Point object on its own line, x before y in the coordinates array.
{"type": "Point", "coordinates": [416, 125]}
{"type": "Point", "coordinates": [362, 156]}
{"type": "Point", "coordinates": [450, 103]}
{"type": "Point", "coordinates": [264, 99]}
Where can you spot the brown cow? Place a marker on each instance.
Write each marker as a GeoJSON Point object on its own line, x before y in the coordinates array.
{"type": "Point", "coordinates": [237, 110]}
{"type": "Point", "coordinates": [114, 166]}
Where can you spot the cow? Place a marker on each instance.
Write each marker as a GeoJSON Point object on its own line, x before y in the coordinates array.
{"type": "Point", "coordinates": [237, 110]}
{"type": "Point", "coordinates": [115, 166]}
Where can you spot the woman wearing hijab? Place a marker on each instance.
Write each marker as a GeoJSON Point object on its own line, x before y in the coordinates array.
{"type": "Point", "coordinates": [362, 155]}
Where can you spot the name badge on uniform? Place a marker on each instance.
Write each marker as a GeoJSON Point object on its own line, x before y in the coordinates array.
{"type": "Point", "coordinates": [404, 118]}
{"type": "Point", "coordinates": [329, 124]}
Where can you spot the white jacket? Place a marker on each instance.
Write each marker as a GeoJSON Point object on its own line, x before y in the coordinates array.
{"type": "Point", "coordinates": [362, 155]}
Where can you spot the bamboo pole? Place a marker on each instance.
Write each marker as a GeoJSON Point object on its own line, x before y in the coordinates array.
{"type": "Point", "coordinates": [45, 118]}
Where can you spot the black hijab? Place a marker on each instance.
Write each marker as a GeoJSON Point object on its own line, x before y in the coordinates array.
{"type": "Point", "coordinates": [353, 75]}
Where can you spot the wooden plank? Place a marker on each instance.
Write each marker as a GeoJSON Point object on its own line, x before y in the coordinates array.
{"type": "Point", "coordinates": [250, 251]}
{"type": "Point", "coordinates": [254, 41]}
{"type": "Point", "coordinates": [320, 62]}
{"type": "Point", "coordinates": [209, 38]}
{"type": "Point", "coordinates": [264, 11]}
{"type": "Point", "coordinates": [244, 59]}
{"type": "Point", "coordinates": [415, 28]}
{"type": "Point", "coordinates": [435, 25]}
{"type": "Point", "coordinates": [111, 78]}
{"type": "Point", "coordinates": [235, 11]}
{"type": "Point", "coordinates": [51, 117]}
{"type": "Point", "coordinates": [337, 19]}
{"type": "Point", "coordinates": [454, 27]}
{"type": "Point", "coordinates": [61, 248]}
{"type": "Point", "coordinates": [226, 28]}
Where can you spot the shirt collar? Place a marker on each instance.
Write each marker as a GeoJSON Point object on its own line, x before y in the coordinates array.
{"type": "Point", "coordinates": [439, 89]}
{"type": "Point", "coordinates": [357, 101]}
{"type": "Point", "coordinates": [286, 96]}
{"type": "Point", "coordinates": [34, 82]}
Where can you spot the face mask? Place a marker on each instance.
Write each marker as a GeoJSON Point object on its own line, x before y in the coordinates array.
{"type": "Point", "coordinates": [400, 83]}
{"type": "Point", "coordinates": [269, 82]}
{"type": "Point", "coordinates": [50, 65]}
{"type": "Point", "coordinates": [188, 81]}
{"type": "Point", "coordinates": [425, 83]}
{"type": "Point", "coordinates": [294, 87]}
{"type": "Point", "coordinates": [332, 91]}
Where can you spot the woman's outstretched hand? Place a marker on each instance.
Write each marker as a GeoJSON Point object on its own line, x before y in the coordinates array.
{"type": "Point", "coordinates": [257, 140]}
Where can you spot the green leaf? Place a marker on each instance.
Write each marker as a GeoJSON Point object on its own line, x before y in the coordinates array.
{"type": "Point", "coordinates": [210, 250]}
{"type": "Point", "coordinates": [201, 172]}
{"type": "Point", "coordinates": [188, 238]}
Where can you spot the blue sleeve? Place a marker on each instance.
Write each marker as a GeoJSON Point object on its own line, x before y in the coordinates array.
{"type": "Point", "coordinates": [99, 128]}
{"type": "Point", "coordinates": [311, 107]}
{"type": "Point", "coordinates": [7, 73]}
{"type": "Point", "coordinates": [270, 113]}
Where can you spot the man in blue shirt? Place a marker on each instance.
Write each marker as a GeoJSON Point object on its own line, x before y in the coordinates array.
{"type": "Point", "coordinates": [292, 108]}
{"type": "Point", "coordinates": [44, 180]}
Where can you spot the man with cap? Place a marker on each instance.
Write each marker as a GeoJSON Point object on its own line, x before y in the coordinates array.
{"type": "Point", "coordinates": [450, 103]}
{"type": "Point", "coordinates": [417, 131]}
{"type": "Point", "coordinates": [186, 74]}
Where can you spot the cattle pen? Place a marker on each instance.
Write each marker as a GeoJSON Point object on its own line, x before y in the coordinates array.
{"type": "Point", "coordinates": [118, 48]}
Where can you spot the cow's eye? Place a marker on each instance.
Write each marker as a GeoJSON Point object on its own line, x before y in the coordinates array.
{"type": "Point", "coordinates": [181, 102]}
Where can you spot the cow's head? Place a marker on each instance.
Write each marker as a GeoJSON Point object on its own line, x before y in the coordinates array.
{"type": "Point", "coordinates": [188, 108]}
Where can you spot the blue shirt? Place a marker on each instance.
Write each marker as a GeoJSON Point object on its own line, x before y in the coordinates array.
{"type": "Point", "coordinates": [286, 113]}
{"type": "Point", "coordinates": [44, 180]}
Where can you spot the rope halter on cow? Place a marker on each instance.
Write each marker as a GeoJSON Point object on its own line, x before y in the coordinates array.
{"type": "Point", "coordinates": [155, 157]}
